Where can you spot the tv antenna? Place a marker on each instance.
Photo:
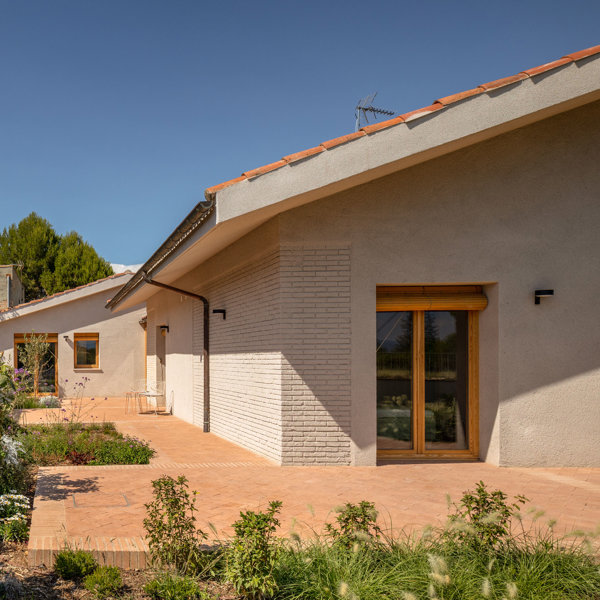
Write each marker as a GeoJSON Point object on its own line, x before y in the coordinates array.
{"type": "Point", "coordinates": [365, 106]}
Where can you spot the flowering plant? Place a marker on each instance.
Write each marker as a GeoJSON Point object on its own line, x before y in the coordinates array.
{"type": "Point", "coordinates": [13, 516]}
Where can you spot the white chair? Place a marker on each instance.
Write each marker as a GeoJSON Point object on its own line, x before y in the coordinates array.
{"type": "Point", "coordinates": [155, 396]}
{"type": "Point", "coordinates": [134, 396]}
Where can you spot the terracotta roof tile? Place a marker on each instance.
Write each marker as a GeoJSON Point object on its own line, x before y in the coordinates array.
{"type": "Point", "coordinates": [547, 67]}
{"type": "Point", "coordinates": [265, 169]}
{"type": "Point", "coordinates": [290, 158]}
{"type": "Point", "coordinates": [421, 112]}
{"type": "Point", "coordinates": [220, 186]}
{"type": "Point", "coordinates": [492, 85]}
{"type": "Point", "coordinates": [75, 289]}
{"type": "Point", "coordinates": [343, 139]}
{"type": "Point", "coordinates": [460, 96]}
{"type": "Point", "coordinates": [407, 117]}
{"type": "Point", "coordinates": [584, 53]}
{"type": "Point", "coordinates": [382, 125]}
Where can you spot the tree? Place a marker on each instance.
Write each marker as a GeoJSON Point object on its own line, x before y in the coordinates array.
{"type": "Point", "coordinates": [50, 263]}
{"type": "Point", "coordinates": [32, 243]}
{"type": "Point", "coordinates": [76, 263]}
{"type": "Point", "coordinates": [35, 356]}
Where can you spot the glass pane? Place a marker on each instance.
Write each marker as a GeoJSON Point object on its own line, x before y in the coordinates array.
{"type": "Point", "coordinates": [86, 352]}
{"type": "Point", "coordinates": [394, 380]}
{"type": "Point", "coordinates": [47, 383]}
{"type": "Point", "coordinates": [446, 380]}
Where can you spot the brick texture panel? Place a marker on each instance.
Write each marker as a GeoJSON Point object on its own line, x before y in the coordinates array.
{"type": "Point", "coordinates": [316, 361]}
{"type": "Point", "coordinates": [245, 356]}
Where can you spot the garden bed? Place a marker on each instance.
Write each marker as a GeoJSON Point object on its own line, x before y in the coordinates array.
{"type": "Point", "coordinates": [82, 444]}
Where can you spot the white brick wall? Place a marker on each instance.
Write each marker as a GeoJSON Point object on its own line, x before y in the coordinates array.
{"type": "Point", "coordinates": [245, 356]}
{"type": "Point", "coordinates": [316, 361]}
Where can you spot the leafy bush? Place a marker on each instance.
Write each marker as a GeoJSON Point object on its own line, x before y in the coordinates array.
{"type": "Point", "coordinates": [104, 582]}
{"type": "Point", "coordinates": [173, 538]}
{"type": "Point", "coordinates": [174, 587]}
{"type": "Point", "coordinates": [253, 553]}
{"type": "Point", "coordinates": [74, 564]}
{"type": "Point", "coordinates": [13, 517]}
{"type": "Point", "coordinates": [483, 517]}
{"type": "Point", "coordinates": [126, 451]}
{"type": "Point", "coordinates": [355, 523]}
{"type": "Point", "coordinates": [78, 443]}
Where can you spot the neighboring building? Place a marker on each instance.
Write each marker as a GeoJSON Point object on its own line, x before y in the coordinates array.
{"type": "Point", "coordinates": [374, 296]}
{"type": "Point", "coordinates": [85, 339]}
{"type": "Point", "coordinates": [11, 288]}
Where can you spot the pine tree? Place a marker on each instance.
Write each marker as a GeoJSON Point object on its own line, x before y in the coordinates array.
{"type": "Point", "coordinates": [76, 263]}
{"type": "Point", "coordinates": [31, 243]}
{"type": "Point", "coordinates": [50, 263]}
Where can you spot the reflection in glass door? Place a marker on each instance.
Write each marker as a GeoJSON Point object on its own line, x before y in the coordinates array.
{"type": "Point", "coordinates": [394, 380]}
{"type": "Point", "coordinates": [446, 380]}
{"type": "Point", "coordinates": [426, 382]}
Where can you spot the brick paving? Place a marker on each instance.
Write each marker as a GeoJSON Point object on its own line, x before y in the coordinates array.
{"type": "Point", "coordinates": [102, 508]}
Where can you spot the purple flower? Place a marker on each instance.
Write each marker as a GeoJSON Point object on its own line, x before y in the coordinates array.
{"type": "Point", "coordinates": [66, 381]}
{"type": "Point", "coordinates": [64, 409]}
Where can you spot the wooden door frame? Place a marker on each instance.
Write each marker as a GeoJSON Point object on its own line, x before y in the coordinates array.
{"type": "Point", "coordinates": [418, 390]}
{"type": "Point", "coordinates": [19, 338]}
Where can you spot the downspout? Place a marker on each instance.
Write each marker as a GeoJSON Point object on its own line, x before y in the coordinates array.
{"type": "Point", "coordinates": [164, 286]}
{"type": "Point", "coordinates": [8, 304]}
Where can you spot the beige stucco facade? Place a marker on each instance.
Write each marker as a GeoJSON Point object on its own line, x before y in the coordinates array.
{"type": "Point", "coordinates": [292, 367]}
{"type": "Point", "coordinates": [121, 337]}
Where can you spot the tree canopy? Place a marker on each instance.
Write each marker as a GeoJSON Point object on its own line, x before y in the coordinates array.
{"type": "Point", "coordinates": [50, 262]}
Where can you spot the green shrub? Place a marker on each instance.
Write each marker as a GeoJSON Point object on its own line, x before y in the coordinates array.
{"type": "Point", "coordinates": [14, 531]}
{"type": "Point", "coordinates": [355, 523]}
{"type": "Point", "coordinates": [79, 443]}
{"type": "Point", "coordinates": [104, 582]}
{"type": "Point", "coordinates": [13, 517]}
{"type": "Point", "coordinates": [74, 564]}
{"type": "Point", "coordinates": [483, 517]}
{"type": "Point", "coordinates": [170, 524]}
{"type": "Point", "coordinates": [126, 451]}
{"type": "Point", "coordinates": [174, 587]}
{"type": "Point", "coordinates": [251, 558]}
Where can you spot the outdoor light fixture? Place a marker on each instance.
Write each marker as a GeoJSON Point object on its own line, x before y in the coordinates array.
{"type": "Point", "coordinates": [66, 338]}
{"type": "Point", "coordinates": [542, 294]}
{"type": "Point", "coordinates": [220, 311]}
{"type": "Point", "coordinates": [164, 329]}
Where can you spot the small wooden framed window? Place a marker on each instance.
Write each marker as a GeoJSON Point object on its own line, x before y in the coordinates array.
{"type": "Point", "coordinates": [87, 350]}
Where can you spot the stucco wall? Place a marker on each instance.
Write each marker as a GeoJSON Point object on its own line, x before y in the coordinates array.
{"type": "Point", "coordinates": [121, 345]}
{"type": "Point", "coordinates": [514, 213]}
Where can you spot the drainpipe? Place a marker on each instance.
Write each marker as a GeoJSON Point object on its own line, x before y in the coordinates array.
{"type": "Point", "coordinates": [8, 304]}
{"type": "Point", "coordinates": [164, 286]}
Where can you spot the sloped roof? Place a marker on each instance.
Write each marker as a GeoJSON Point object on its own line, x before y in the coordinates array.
{"type": "Point", "coordinates": [439, 104]}
{"type": "Point", "coordinates": [235, 207]}
{"type": "Point", "coordinates": [106, 283]}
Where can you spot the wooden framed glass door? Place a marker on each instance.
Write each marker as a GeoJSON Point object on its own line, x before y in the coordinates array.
{"type": "Point", "coordinates": [427, 371]}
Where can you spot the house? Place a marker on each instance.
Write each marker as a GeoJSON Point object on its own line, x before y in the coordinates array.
{"type": "Point", "coordinates": [86, 340]}
{"type": "Point", "coordinates": [424, 288]}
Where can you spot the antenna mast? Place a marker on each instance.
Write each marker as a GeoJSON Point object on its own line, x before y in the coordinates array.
{"type": "Point", "coordinates": [365, 106]}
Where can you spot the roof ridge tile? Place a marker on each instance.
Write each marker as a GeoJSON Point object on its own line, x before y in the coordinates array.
{"type": "Point", "coordinates": [443, 102]}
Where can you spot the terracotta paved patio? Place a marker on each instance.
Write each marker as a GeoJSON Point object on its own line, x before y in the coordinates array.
{"type": "Point", "coordinates": [102, 508]}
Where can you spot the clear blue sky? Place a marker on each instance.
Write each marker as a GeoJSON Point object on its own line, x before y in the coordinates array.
{"type": "Point", "coordinates": [115, 115]}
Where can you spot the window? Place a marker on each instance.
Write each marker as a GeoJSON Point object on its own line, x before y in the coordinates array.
{"type": "Point", "coordinates": [427, 370]}
{"type": "Point", "coordinates": [86, 350]}
{"type": "Point", "coordinates": [48, 373]}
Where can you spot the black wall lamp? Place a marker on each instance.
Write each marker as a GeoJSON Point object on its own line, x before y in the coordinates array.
{"type": "Point", "coordinates": [164, 329]}
{"type": "Point", "coordinates": [220, 311]}
{"type": "Point", "coordinates": [542, 294]}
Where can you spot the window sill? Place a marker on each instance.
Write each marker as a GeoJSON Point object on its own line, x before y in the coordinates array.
{"type": "Point", "coordinates": [87, 369]}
